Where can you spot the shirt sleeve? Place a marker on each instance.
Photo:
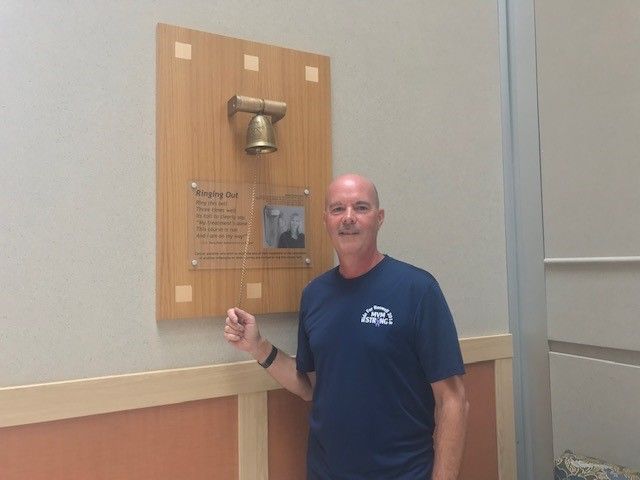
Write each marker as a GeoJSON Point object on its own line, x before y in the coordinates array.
{"type": "Point", "coordinates": [437, 340]}
{"type": "Point", "coordinates": [304, 355]}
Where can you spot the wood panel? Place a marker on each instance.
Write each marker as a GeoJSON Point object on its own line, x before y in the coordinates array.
{"type": "Point", "coordinates": [271, 428]}
{"type": "Point", "coordinates": [74, 398]}
{"type": "Point", "coordinates": [480, 460]}
{"type": "Point", "coordinates": [490, 347]}
{"type": "Point", "coordinates": [197, 141]}
{"type": "Point", "coordinates": [253, 440]}
{"type": "Point", "coordinates": [288, 431]}
{"type": "Point", "coordinates": [194, 440]}
{"type": "Point", "coordinates": [505, 421]}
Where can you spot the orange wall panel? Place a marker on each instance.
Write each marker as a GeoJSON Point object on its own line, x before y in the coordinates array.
{"type": "Point", "coordinates": [480, 460]}
{"type": "Point", "coordinates": [198, 440]}
{"type": "Point", "coordinates": [288, 430]}
{"type": "Point", "coordinates": [193, 440]}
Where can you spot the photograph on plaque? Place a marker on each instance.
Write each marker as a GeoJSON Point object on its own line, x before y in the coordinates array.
{"type": "Point", "coordinates": [283, 226]}
{"type": "Point", "coordinates": [260, 225]}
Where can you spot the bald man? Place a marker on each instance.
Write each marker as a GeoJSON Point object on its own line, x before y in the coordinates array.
{"type": "Point", "coordinates": [378, 355]}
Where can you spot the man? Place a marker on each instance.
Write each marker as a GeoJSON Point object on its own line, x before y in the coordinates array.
{"type": "Point", "coordinates": [378, 355]}
{"type": "Point", "coordinates": [292, 237]}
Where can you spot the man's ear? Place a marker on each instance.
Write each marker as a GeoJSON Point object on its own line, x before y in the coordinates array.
{"type": "Point", "coordinates": [380, 217]}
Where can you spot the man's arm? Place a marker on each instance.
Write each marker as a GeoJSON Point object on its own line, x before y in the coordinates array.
{"type": "Point", "coordinates": [241, 331]}
{"type": "Point", "coordinates": [451, 427]}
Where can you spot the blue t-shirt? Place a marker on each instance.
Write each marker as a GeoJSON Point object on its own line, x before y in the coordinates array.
{"type": "Point", "coordinates": [376, 342]}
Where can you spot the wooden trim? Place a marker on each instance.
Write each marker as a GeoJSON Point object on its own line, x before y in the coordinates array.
{"type": "Point", "coordinates": [253, 436]}
{"type": "Point", "coordinates": [505, 423]}
{"type": "Point", "coordinates": [77, 398]}
{"type": "Point", "coordinates": [482, 349]}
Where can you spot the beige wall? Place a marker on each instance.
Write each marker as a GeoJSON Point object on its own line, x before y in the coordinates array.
{"type": "Point", "coordinates": [595, 407]}
{"type": "Point", "coordinates": [416, 106]}
{"type": "Point", "coordinates": [589, 100]}
{"type": "Point", "coordinates": [594, 304]}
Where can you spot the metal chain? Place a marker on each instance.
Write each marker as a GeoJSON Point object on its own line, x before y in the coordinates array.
{"type": "Point", "coordinates": [249, 227]}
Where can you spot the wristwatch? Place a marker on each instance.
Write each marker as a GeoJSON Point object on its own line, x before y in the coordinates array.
{"type": "Point", "coordinates": [272, 356]}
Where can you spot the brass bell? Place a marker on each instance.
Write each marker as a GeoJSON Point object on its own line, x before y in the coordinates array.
{"type": "Point", "coordinates": [261, 137]}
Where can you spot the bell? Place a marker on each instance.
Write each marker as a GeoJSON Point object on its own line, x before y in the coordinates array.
{"type": "Point", "coordinates": [261, 138]}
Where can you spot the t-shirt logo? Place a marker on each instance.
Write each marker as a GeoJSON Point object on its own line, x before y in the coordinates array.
{"type": "Point", "coordinates": [377, 315]}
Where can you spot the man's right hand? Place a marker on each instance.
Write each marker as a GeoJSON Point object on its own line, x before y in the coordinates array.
{"type": "Point", "coordinates": [242, 332]}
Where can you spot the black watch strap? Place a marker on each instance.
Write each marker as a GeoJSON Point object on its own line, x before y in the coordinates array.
{"type": "Point", "coordinates": [272, 356]}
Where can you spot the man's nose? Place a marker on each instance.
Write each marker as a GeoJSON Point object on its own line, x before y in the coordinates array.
{"type": "Point", "coordinates": [349, 216]}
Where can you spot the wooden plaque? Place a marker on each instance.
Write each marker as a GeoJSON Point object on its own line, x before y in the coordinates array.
{"type": "Point", "coordinates": [197, 142]}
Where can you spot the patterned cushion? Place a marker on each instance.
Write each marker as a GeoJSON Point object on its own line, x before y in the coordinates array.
{"type": "Point", "coordinates": [571, 466]}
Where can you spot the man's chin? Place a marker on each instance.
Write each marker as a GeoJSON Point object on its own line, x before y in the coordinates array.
{"type": "Point", "coordinates": [347, 247]}
{"type": "Point", "coordinates": [348, 240]}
